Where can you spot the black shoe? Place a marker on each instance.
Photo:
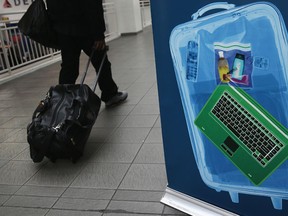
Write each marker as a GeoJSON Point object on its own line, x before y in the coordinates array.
{"type": "Point", "coordinates": [116, 99]}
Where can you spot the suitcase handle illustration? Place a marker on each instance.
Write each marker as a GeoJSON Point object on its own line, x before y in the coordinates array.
{"type": "Point", "coordinates": [212, 6]}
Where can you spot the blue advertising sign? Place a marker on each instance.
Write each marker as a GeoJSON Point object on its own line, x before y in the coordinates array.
{"type": "Point", "coordinates": [222, 80]}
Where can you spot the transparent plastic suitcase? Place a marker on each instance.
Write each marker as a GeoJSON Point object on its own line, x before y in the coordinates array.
{"type": "Point", "coordinates": [256, 31]}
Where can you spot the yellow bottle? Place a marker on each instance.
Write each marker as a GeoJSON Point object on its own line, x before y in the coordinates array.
{"type": "Point", "coordinates": [223, 68]}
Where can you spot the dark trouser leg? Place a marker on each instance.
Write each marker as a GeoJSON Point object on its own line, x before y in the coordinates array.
{"type": "Point", "coordinates": [70, 53]}
{"type": "Point", "coordinates": [106, 82]}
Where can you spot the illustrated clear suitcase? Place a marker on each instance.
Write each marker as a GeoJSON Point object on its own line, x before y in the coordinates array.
{"type": "Point", "coordinates": [256, 31]}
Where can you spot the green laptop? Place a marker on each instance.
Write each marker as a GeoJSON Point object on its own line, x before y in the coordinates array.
{"type": "Point", "coordinates": [244, 132]}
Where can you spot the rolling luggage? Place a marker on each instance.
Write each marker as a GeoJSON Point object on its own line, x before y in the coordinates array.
{"type": "Point", "coordinates": [253, 41]}
{"type": "Point", "coordinates": [62, 122]}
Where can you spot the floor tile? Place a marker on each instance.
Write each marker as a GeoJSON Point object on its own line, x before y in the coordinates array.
{"type": "Point", "coordinates": [16, 122]}
{"type": "Point", "coordinates": [154, 136]}
{"type": "Point", "coordinates": [25, 155]}
{"type": "Point", "coordinates": [90, 150]}
{"type": "Point", "coordinates": [121, 153]}
{"type": "Point", "coordinates": [126, 214]}
{"type": "Point", "coordinates": [17, 172]}
{"type": "Point", "coordinates": [137, 195]}
{"type": "Point", "coordinates": [129, 135]}
{"type": "Point", "coordinates": [8, 189]}
{"type": "Point", "coordinates": [30, 102]}
{"type": "Point", "coordinates": [27, 190]}
{"type": "Point", "coordinates": [129, 207]}
{"type": "Point", "coordinates": [6, 133]}
{"type": "Point", "coordinates": [19, 112]}
{"type": "Point", "coordinates": [149, 100]}
{"type": "Point", "coordinates": [6, 112]}
{"type": "Point", "coordinates": [88, 193]}
{"type": "Point", "coordinates": [108, 121]}
{"type": "Point", "coordinates": [11, 150]}
{"type": "Point", "coordinates": [145, 177]}
{"type": "Point", "coordinates": [3, 199]}
{"type": "Point", "coordinates": [158, 122]}
{"type": "Point", "coordinates": [81, 204]}
{"type": "Point", "coordinates": [12, 211]}
{"type": "Point", "coordinates": [31, 202]}
{"type": "Point", "coordinates": [139, 121]}
{"type": "Point", "coordinates": [150, 153]}
{"type": "Point", "coordinates": [101, 175]}
{"type": "Point", "coordinates": [124, 109]}
{"type": "Point", "coordinates": [139, 88]}
{"type": "Point", "coordinates": [132, 100]}
{"type": "Point", "coordinates": [17, 136]}
{"type": "Point", "coordinates": [3, 162]}
{"type": "Point", "coordinates": [4, 119]}
{"type": "Point", "coordinates": [154, 90]}
{"type": "Point", "coordinates": [171, 211]}
{"type": "Point", "coordinates": [145, 109]}
{"type": "Point", "coordinates": [128, 77]}
{"type": "Point", "coordinates": [99, 135]}
{"type": "Point", "coordinates": [61, 173]}
{"type": "Point", "coordinates": [5, 104]}
{"type": "Point", "coordinates": [54, 212]}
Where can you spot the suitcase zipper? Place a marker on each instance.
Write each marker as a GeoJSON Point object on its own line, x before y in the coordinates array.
{"type": "Point", "coordinates": [57, 127]}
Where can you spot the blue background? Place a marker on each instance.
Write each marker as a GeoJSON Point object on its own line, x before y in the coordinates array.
{"type": "Point", "coordinates": [182, 172]}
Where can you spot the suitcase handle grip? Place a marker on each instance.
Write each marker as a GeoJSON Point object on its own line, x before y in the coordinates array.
{"type": "Point", "coordinates": [212, 6]}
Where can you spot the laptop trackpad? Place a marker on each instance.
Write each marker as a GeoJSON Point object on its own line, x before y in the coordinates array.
{"type": "Point", "coordinates": [230, 146]}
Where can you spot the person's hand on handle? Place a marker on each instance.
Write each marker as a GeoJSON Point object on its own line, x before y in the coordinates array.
{"type": "Point", "coordinates": [99, 45]}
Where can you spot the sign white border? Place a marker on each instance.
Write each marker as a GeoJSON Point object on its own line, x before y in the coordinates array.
{"type": "Point", "coordinates": [192, 206]}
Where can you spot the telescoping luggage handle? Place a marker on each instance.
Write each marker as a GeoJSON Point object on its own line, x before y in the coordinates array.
{"type": "Point", "coordinates": [212, 6]}
{"type": "Point", "coordinates": [100, 68]}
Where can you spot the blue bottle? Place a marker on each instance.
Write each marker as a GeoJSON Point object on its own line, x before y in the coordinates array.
{"type": "Point", "coordinates": [238, 66]}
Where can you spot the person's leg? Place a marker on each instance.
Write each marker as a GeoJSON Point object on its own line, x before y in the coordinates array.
{"type": "Point", "coordinates": [70, 53]}
{"type": "Point", "coordinates": [106, 82]}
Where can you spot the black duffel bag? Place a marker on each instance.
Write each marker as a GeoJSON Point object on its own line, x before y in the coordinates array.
{"type": "Point", "coordinates": [62, 122]}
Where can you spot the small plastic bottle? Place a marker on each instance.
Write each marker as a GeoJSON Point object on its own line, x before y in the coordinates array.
{"type": "Point", "coordinates": [192, 56]}
{"type": "Point", "coordinates": [238, 66]}
{"type": "Point", "coordinates": [223, 68]}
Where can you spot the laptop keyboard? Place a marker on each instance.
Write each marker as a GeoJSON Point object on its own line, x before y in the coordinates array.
{"type": "Point", "coordinates": [262, 144]}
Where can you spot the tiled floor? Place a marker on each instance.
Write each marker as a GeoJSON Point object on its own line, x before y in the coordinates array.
{"type": "Point", "coordinates": [123, 169]}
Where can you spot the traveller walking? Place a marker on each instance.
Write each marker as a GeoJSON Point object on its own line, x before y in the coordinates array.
{"type": "Point", "coordinates": [80, 26]}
